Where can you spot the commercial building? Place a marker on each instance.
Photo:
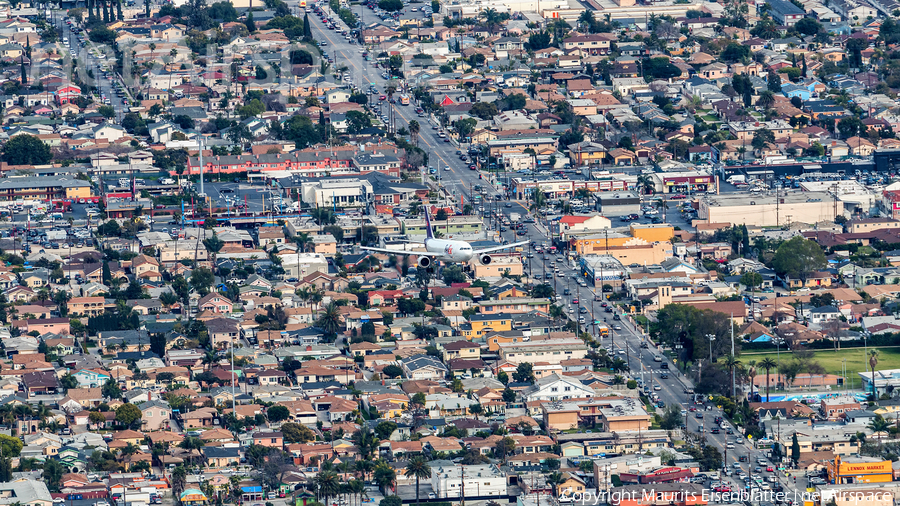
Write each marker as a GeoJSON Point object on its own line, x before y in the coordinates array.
{"type": "Point", "coordinates": [683, 182]}
{"type": "Point", "coordinates": [859, 470]}
{"type": "Point", "coordinates": [603, 270]}
{"type": "Point", "coordinates": [883, 379]}
{"type": "Point", "coordinates": [769, 210]}
{"type": "Point", "coordinates": [44, 188]}
{"type": "Point", "coordinates": [340, 193]}
{"type": "Point", "coordinates": [523, 187]}
{"type": "Point", "coordinates": [551, 352]}
{"type": "Point", "coordinates": [451, 482]}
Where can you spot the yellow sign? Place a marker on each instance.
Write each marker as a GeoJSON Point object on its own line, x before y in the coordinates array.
{"type": "Point", "coordinates": [749, 436]}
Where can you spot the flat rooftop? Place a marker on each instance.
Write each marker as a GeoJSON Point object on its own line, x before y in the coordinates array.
{"type": "Point", "coordinates": [746, 199]}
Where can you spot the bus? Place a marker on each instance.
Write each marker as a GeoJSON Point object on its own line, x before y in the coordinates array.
{"type": "Point", "coordinates": [404, 99]}
{"type": "Point", "coordinates": [602, 330]}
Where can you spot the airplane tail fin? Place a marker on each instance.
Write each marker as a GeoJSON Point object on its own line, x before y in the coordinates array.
{"type": "Point", "coordinates": [428, 233]}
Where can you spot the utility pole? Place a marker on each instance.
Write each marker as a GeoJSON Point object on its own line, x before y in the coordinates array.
{"type": "Point", "coordinates": [462, 485]}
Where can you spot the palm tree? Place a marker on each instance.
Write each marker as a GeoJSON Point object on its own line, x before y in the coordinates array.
{"type": "Point", "coordinates": [179, 479]}
{"type": "Point", "coordinates": [385, 476]}
{"type": "Point", "coordinates": [879, 426]}
{"type": "Point", "coordinates": [303, 241]}
{"type": "Point", "coordinates": [418, 468]}
{"type": "Point", "coordinates": [873, 361]}
{"type": "Point", "coordinates": [357, 487]}
{"type": "Point", "coordinates": [538, 200]}
{"type": "Point", "coordinates": [731, 362]}
{"type": "Point", "coordinates": [363, 467]}
{"type": "Point", "coordinates": [646, 184]}
{"type": "Point", "coordinates": [767, 364]}
{"type": "Point", "coordinates": [330, 319]}
{"type": "Point", "coordinates": [556, 479]}
{"type": "Point", "coordinates": [751, 373]}
{"type": "Point", "coordinates": [366, 442]}
{"type": "Point", "coordinates": [766, 99]}
{"type": "Point", "coordinates": [328, 484]}
{"type": "Point", "coordinates": [414, 129]}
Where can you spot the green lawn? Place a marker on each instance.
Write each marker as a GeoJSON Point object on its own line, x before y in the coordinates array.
{"type": "Point", "coordinates": [832, 361]}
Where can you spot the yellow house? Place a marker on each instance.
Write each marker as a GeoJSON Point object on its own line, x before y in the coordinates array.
{"type": "Point", "coordinates": [461, 349]}
{"type": "Point", "coordinates": [482, 136]}
{"type": "Point", "coordinates": [512, 291]}
{"type": "Point", "coordinates": [587, 153]}
{"type": "Point", "coordinates": [571, 486]}
{"type": "Point", "coordinates": [342, 446]}
{"type": "Point", "coordinates": [479, 324]}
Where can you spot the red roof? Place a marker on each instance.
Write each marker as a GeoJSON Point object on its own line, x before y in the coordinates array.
{"type": "Point", "coordinates": [571, 220]}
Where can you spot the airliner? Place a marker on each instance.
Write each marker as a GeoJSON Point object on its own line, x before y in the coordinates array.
{"type": "Point", "coordinates": [447, 251]}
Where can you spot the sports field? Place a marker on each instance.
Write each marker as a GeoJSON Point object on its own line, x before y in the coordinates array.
{"type": "Point", "coordinates": [833, 361]}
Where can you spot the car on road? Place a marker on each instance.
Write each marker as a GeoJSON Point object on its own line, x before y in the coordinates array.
{"type": "Point", "coordinates": [522, 232]}
{"type": "Point", "coordinates": [730, 446]}
{"type": "Point", "coordinates": [666, 376]}
{"type": "Point", "coordinates": [617, 327]}
{"type": "Point", "coordinates": [382, 97]}
{"type": "Point", "coordinates": [699, 415]}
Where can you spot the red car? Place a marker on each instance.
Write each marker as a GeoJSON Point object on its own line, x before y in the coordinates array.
{"type": "Point", "coordinates": [722, 488]}
{"type": "Point", "coordinates": [472, 167]}
{"type": "Point", "coordinates": [574, 301]}
{"type": "Point", "coordinates": [382, 97]}
{"type": "Point", "coordinates": [769, 469]}
{"type": "Point", "coordinates": [680, 196]}
{"type": "Point", "coordinates": [692, 409]}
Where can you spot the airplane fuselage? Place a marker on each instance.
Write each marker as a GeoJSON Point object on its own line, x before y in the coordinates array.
{"type": "Point", "coordinates": [449, 250]}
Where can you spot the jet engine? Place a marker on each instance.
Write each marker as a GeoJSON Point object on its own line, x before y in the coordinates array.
{"type": "Point", "coordinates": [485, 259]}
{"type": "Point", "coordinates": [424, 262]}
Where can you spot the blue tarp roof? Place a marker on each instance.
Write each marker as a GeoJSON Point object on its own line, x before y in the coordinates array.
{"type": "Point", "coordinates": [251, 489]}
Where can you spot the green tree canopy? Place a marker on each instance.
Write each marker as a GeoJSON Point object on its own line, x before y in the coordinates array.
{"type": "Point", "coordinates": [799, 258]}
{"type": "Point", "coordinates": [26, 150]}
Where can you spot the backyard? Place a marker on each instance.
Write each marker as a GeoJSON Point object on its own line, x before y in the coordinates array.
{"type": "Point", "coordinates": [833, 361]}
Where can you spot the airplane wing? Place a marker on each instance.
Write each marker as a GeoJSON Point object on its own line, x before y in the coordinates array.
{"type": "Point", "coordinates": [402, 252]}
{"type": "Point", "coordinates": [498, 248]}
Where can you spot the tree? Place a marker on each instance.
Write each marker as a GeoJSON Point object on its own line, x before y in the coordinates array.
{"type": "Point", "coordinates": [524, 373]}
{"type": "Point", "coordinates": [795, 449]}
{"type": "Point", "coordinates": [96, 418]}
{"type": "Point", "coordinates": [111, 389]}
{"type": "Point", "coordinates": [278, 413]}
{"type": "Point", "coordinates": [52, 474]}
{"type": "Point", "coordinates": [330, 319]}
{"type": "Point", "coordinates": [851, 126]}
{"type": "Point", "coordinates": [384, 429]}
{"type": "Point", "coordinates": [384, 476]}
{"type": "Point", "coordinates": [808, 26]}
{"type": "Point", "coordinates": [766, 100]}
{"type": "Point", "coordinates": [735, 52]}
{"type": "Point", "coordinates": [128, 415]}
{"type": "Point", "coordinates": [453, 274]}
{"type": "Point", "coordinates": [10, 446]}
{"type": "Point", "coordinates": [484, 110]}
{"type": "Point", "coordinates": [328, 484]}
{"type": "Point", "coordinates": [799, 258]}
{"type": "Point", "coordinates": [296, 433]}
{"type": "Point", "coordinates": [390, 5]}
{"type": "Point", "coordinates": [392, 371]}
{"type": "Point", "coordinates": [671, 418]}
{"type": "Point", "coordinates": [768, 364]}
{"type": "Point", "coordinates": [419, 469]}
{"type": "Point", "coordinates": [773, 82]}
{"type": "Point", "coordinates": [504, 447]}
{"type": "Point", "coordinates": [873, 361]}
{"type": "Point", "coordinates": [357, 121]}
{"type": "Point", "coordinates": [201, 279]}
{"type": "Point", "coordinates": [762, 137]}
{"type": "Point", "coordinates": [26, 150]}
